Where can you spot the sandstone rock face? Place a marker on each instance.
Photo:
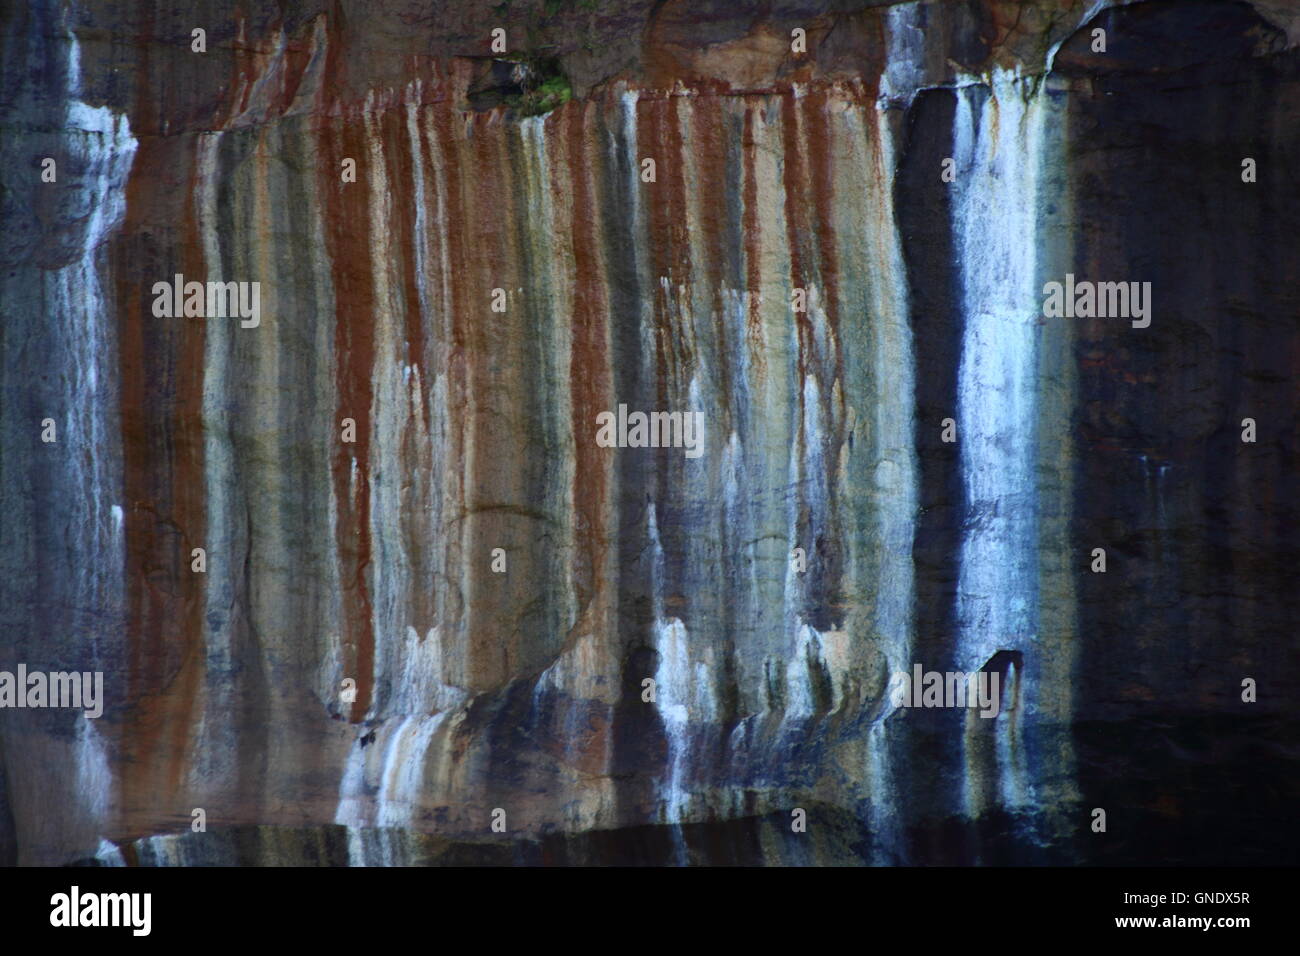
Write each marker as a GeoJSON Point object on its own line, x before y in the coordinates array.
{"type": "Point", "coordinates": [838, 258]}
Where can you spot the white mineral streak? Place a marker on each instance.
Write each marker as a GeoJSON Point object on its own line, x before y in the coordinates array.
{"type": "Point", "coordinates": [98, 152]}
{"type": "Point", "coordinates": [999, 154]}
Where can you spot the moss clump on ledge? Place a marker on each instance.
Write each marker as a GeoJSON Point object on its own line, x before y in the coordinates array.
{"type": "Point", "coordinates": [542, 87]}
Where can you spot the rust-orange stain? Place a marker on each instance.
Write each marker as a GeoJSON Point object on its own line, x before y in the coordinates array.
{"type": "Point", "coordinates": [819, 134]}
{"type": "Point", "coordinates": [751, 234]}
{"type": "Point", "coordinates": [798, 223]}
{"type": "Point", "coordinates": [347, 239]}
{"type": "Point", "coordinates": [589, 372]}
{"type": "Point", "coordinates": [161, 389]}
{"type": "Point", "coordinates": [710, 144]}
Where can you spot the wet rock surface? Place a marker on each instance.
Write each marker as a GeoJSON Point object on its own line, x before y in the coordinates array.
{"type": "Point", "coordinates": [522, 690]}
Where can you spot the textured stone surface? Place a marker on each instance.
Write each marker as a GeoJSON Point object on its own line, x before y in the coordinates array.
{"type": "Point", "coordinates": [475, 431]}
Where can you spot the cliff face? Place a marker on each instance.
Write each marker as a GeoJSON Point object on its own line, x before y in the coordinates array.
{"type": "Point", "coordinates": [803, 267]}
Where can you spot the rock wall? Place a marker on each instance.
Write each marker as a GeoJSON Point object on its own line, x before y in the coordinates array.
{"type": "Point", "coordinates": [803, 267]}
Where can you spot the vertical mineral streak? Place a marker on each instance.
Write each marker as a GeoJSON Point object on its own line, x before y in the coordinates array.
{"type": "Point", "coordinates": [1005, 129]}
{"type": "Point", "coordinates": [63, 517]}
{"type": "Point", "coordinates": [375, 559]}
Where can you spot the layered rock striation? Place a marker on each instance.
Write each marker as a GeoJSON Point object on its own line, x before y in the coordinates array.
{"type": "Point", "coordinates": [430, 600]}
